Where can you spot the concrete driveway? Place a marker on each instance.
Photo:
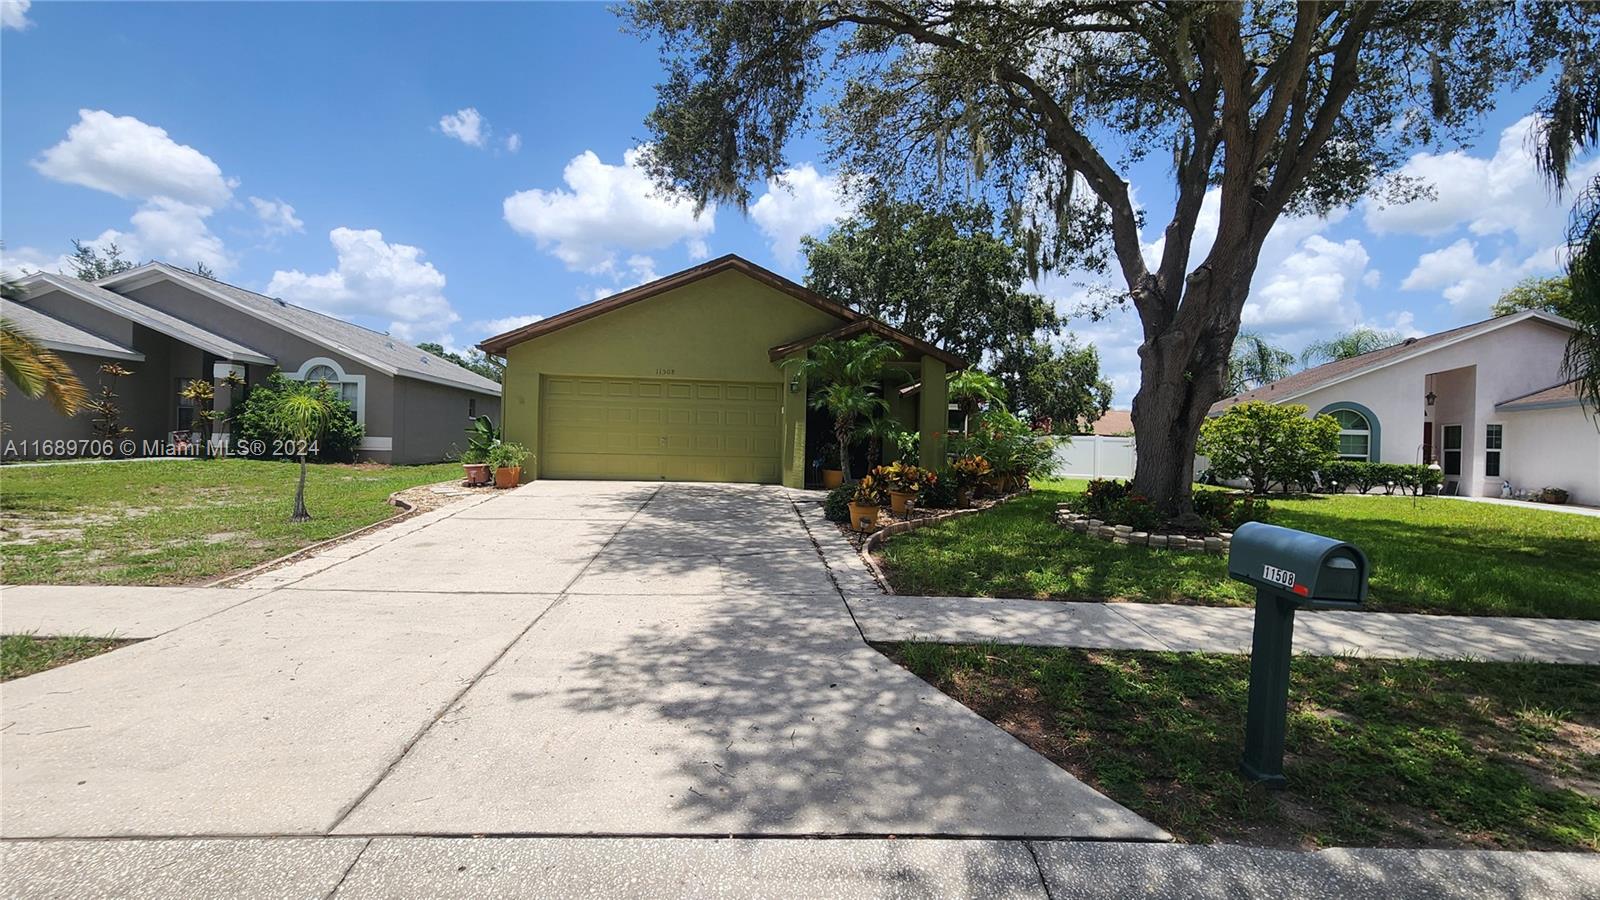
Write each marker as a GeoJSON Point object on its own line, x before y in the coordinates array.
{"type": "Point", "coordinates": [566, 658]}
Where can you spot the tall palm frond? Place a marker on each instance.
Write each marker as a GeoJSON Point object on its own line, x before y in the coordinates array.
{"type": "Point", "coordinates": [38, 372]}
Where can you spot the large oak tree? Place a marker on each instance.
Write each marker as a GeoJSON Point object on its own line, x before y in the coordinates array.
{"type": "Point", "coordinates": [1045, 107]}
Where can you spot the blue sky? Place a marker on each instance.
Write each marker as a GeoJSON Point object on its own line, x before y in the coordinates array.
{"type": "Point", "coordinates": [445, 172]}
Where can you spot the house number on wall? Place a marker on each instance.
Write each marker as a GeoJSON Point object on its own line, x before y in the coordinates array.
{"type": "Point", "coordinates": [666, 371]}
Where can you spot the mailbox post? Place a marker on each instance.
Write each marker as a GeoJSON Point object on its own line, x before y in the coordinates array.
{"type": "Point", "coordinates": [1289, 570]}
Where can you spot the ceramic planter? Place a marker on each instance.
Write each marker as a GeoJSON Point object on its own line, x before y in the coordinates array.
{"type": "Point", "coordinates": [477, 473]}
{"type": "Point", "coordinates": [863, 518]}
{"type": "Point", "coordinates": [832, 478]}
{"type": "Point", "coordinates": [899, 502]}
{"type": "Point", "coordinates": [507, 476]}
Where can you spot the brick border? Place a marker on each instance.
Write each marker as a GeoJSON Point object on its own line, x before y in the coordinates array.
{"type": "Point", "coordinates": [1218, 545]}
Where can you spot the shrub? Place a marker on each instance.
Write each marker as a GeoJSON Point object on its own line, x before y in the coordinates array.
{"type": "Point", "coordinates": [968, 471]}
{"type": "Point", "coordinates": [1226, 511]}
{"type": "Point", "coordinates": [1553, 495]}
{"type": "Point", "coordinates": [1267, 444]}
{"type": "Point", "coordinates": [836, 508]}
{"type": "Point", "coordinates": [507, 455]}
{"type": "Point", "coordinates": [254, 429]}
{"type": "Point", "coordinates": [904, 478]}
{"type": "Point", "coordinates": [1011, 446]}
{"type": "Point", "coordinates": [1364, 476]}
{"type": "Point", "coordinates": [868, 492]}
{"type": "Point", "coordinates": [940, 493]}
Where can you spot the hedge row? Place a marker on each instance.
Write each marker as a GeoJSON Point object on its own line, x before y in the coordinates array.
{"type": "Point", "coordinates": [1362, 477]}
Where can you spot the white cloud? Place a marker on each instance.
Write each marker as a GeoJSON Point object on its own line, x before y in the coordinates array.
{"type": "Point", "coordinates": [169, 230]}
{"type": "Point", "coordinates": [640, 269]}
{"type": "Point", "coordinates": [605, 210]}
{"type": "Point", "coordinates": [277, 217]}
{"type": "Point", "coordinates": [513, 143]}
{"type": "Point", "coordinates": [14, 14]}
{"type": "Point", "coordinates": [1310, 288]}
{"type": "Point", "coordinates": [1472, 284]}
{"type": "Point", "coordinates": [491, 327]}
{"type": "Point", "coordinates": [124, 156]}
{"type": "Point", "coordinates": [798, 202]}
{"type": "Point", "coordinates": [1497, 195]}
{"type": "Point", "coordinates": [378, 279]}
{"type": "Point", "coordinates": [27, 260]}
{"type": "Point", "coordinates": [466, 126]}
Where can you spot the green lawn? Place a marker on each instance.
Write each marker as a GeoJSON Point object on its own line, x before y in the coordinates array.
{"type": "Point", "coordinates": [25, 654]}
{"type": "Point", "coordinates": [1434, 555]}
{"type": "Point", "coordinates": [1379, 753]}
{"type": "Point", "coordinates": [180, 522]}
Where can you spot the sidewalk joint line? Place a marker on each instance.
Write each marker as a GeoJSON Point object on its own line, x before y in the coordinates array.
{"type": "Point", "coordinates": [347, 870]}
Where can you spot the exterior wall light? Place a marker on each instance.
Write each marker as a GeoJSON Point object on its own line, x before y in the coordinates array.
{"type": "Point", "coordinates": [1431, 397]}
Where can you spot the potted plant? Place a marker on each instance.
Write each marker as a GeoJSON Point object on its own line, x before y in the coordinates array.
{"type": "Point", "coordinates": [507, 458]}
{"type": "Point", "coordinates": [475, 463]}
{"type": "Point", "coordinates": [904, 481]}
{"type": "Point", "coordinates": [968, 472]}
{"type": "Point", "coordinates": [482, 437]}
{"type": "Point", "coordinates": [1553, 495]}
{"type": "Point", "coordinates": [832, 474]}
{"type": "Point", "coordinates": [864, 504]}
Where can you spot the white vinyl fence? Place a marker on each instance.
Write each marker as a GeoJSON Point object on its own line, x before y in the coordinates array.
{"type": "Point", "coordinates": [1095, 456]}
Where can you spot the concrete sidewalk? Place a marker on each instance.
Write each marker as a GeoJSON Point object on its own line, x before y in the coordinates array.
{"type": "Point", "coordinates": [406, 867]}
{"type": "Point", "coordinates": [1155, 626]}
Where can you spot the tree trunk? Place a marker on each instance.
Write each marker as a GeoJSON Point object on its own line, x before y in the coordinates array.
{"type": "Point", "coordinates": [301, 514]}
{"type": "Point", "coordinates": [841, 433]}
{"type": "Point", "coordinates": [1180, 376]}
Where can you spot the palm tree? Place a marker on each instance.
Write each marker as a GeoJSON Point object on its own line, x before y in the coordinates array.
{"type": "Point", "coordinates": [845, 374]}
{"type": "Point", "coordinates": [35, 370]}
{"type": "Point", "coordinates": [1582, 360]}
{"type": "Point", "coordinates": [1256, 362]}
{"type": "Point", "coordinates": [971, 390]}
{"type": "Point", "coordinates": [1355, 342]}
{"type": "Point", "coordinates": [301, 416]}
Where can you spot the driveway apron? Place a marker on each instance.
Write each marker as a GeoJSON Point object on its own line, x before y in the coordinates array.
{"type": "Point", "coordinates": [568, 658]}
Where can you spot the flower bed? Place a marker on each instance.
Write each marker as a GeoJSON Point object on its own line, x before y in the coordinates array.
{"type": "Point", "coordinates": [1124, 534]}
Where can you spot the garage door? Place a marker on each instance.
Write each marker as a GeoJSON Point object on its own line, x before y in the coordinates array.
{"type": "Point", "coordinates": [673, 430]}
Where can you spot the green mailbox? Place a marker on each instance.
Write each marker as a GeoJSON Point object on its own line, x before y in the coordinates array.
{"type": "Point", "coordinates": [1289, 570]}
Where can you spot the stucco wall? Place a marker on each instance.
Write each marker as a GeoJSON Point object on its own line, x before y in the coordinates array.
{"type": "Point", "coordinates": [431, 420]}
{"type": "Point", "coordinates": [87, 316]}
{"type": "Point", "coordinates": [718, 329]}
{"type": "Point", "coordinates": [1551, 448]}
{"type": "Point", "coordinates": [1508, 362]}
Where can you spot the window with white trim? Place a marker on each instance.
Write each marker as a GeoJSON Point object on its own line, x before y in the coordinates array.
{"type": "Point", "coordinates": [1493, 440]}
{"type": "Point", "coordinates": [347, 388]}
{"type": "Point", "coordinates": [1355, 435]}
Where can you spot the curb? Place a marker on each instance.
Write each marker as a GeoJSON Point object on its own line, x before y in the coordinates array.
{"type": "Point", "coordinates": [878, 537]}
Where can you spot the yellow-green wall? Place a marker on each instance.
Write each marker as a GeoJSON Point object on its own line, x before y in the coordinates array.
{"type": "Point", "coordinates": [716, 329]}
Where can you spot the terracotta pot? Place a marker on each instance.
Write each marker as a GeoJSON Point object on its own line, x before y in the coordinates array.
{"type": "Point", "coordinates": [963, 497]}
{"type": "Point", "coordinates": [899, 502]}
{"type": "Point", "coordinates": [477, 473]}
{"type": "Point", "coordinates": [863, 518]}
{"type": "Point", "coordinates": [508, 477]}
{"type": "Point", "coordinates": [832, 478]}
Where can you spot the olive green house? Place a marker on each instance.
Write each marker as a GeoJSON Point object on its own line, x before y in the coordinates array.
{"type": "Point", "coordinates": [684, 379]}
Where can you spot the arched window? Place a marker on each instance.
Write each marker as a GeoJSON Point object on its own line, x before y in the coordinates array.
{"type": "Point", "coordinates": [349, 387]}
{"type": "Point", "coordinates": [1355, 435]}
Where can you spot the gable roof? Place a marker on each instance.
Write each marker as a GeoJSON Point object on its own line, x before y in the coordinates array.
{"type": "Point", "coordinates": [55, 334]}
{"type": "Point", "coordinates": [373, 348]}
{"type": "Point", "coordinates": [500, 343]}
{"type": "Point", "coordinates": [1555, 396]}
{"type": "Point", "coordinates": [865, 324]}
{"type": "Point", "coordinates": [1114, 422]}
{"type": "Point", "coordinates": [148, 316]}
{"type": "Point", "coordinates": [1332, 373]}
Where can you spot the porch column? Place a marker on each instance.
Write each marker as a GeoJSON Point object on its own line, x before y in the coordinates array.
{"type": "Point", "coordinates": [794, 422]}
{"type": "Point", "coordinates": [934, 413]}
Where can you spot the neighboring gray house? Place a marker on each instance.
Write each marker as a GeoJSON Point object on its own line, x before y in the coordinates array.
{"type": "Point", "coordinates": [170, 326]}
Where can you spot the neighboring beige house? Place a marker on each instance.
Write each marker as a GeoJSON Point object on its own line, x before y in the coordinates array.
{"type": "Point", "coordinates": [1486, 401]}
{"type": "Point", "coordinates": [170, 326]}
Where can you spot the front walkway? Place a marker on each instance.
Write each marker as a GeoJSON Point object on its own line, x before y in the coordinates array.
{"type": "Point", "coordinates": [564, 659]}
